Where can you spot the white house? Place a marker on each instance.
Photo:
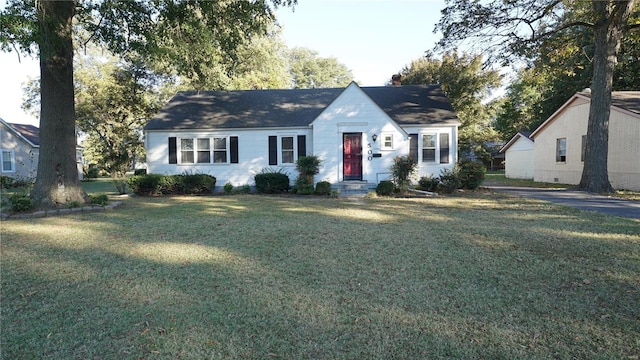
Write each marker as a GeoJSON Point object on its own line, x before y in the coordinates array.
{"type": "Point", "coordinates": [519, 160]}
{"type": "Point", "coordinates": [560, 141]}
{"type": "Point", "coordinates": [20, 149]}
{"type": "Point", "coordinates": [356, 132]}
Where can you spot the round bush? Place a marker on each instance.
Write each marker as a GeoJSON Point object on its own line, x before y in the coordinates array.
{"type": "Point", "coordinates": [428, 183]}
{"type": "Point", "coordinates": [272, 182]}
{"type": "Point", "coordinates": [323, 188]}
{"type": "Point", "coordinates": [385, 188]}
{"type": "Point", "coordinates": [21, 202]}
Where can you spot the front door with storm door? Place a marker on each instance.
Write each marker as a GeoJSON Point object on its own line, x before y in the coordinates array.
{"type": "Point", "coordinates": [352, 156]}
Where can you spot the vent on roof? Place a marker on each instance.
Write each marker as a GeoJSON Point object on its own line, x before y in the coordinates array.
{"type": "Point", "coordinates": [587, 90]}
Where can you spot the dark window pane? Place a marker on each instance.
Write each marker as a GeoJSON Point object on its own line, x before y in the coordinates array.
{"type": "Point", "coordinates": [219, 156]}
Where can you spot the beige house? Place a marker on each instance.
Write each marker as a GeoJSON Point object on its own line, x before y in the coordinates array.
{"type": "Point", "coordinates": [519, 161]}
{"type": "Point", "coordinates": [560, 141]}
{"type": "Point", "coordinates": [20, 148]}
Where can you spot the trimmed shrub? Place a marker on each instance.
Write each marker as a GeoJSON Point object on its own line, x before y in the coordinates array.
{"type": "Point", "coordinates": [99, 199]}
{"type": "Point", "coordinates": [228, 188]}
{"type": "Point", "coordinates": [303, 186]}
{"type": "Point", "coordinates": [272, 182]}
{"type": "Point", "coordinates": [244, 189]}
{"type": "Point", "coordinates": [385, 188]}
{"type": "Point", "coordinates": [471, 174]}
{"type": "Point", "coordinates": [323, 188]}
{"type": "Point", "coordinates": [449, 180]}
{"type": "Point", "coordinates": [195, 184]}
{"type": "Point", "coordinates": [21, 202]}
{"type": "Point", "coordinates": [428, 183]}
{"type": "Point", "coordinates": [144, 185]}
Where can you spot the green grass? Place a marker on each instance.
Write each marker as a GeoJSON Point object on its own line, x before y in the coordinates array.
{"type": "Point", "coordinates": [493, 178]}
{"type": "Point", "coordinates": [256, 277]}
{"type": "Point", "coordinates": [496, 178]}
{"type": "Point", "coordinates": [100, 186]}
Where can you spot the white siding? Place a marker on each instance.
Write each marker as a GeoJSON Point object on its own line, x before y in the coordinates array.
{"type": "Point", "coordinates": [354, 112]}
{"type": "Point", "coordinates": [519, 163]}
{"type": "Point", "coordinates": [253, 154]}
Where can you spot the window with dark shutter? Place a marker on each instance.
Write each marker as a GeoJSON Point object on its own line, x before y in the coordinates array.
{"type": "Point", "coordinates": [302, 145]}
{"type": "Point", "coordinates": [444, 148]}
{"type": "Point", "coordinates": [273, 150]}
{"type": "Point", "coordinates": [173, 150]}
{"type": "Point", "coordinates": [413, 146]}
{"type": "Point", "coordinates": [233, 143]}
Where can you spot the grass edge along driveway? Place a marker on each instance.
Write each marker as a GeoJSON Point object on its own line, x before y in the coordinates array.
{"type": "Point", "coordinates": [255, 277]}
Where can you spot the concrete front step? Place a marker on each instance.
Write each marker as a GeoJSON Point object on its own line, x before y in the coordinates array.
{"type": "Point", "coordinates": [355, 188]}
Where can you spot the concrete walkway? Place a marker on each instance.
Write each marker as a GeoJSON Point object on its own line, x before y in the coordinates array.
{"type": "Point", "coordinates": [579, 199]}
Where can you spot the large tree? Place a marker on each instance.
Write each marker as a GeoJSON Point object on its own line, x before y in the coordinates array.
{"type": "Point", "coordinates": [309, 70]}
{"type": "Point", "coordinates": [468, 85]}
{"type": "Point", "coordinates": [183, 35]}
{"type": "Point", "coordinates": [508, 28]}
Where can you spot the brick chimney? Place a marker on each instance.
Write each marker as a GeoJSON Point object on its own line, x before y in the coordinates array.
{"type": "Point", "coordinates": [396, 80]}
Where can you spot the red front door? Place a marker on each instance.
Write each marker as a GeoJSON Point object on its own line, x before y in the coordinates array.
{"type": "Point", "coordinates": [352, 156]}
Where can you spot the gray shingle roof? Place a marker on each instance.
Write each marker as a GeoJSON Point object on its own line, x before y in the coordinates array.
{"type": "Point", "coordinates": [628, 100]}
{"type": "Point", "coordinates": [295, 107]}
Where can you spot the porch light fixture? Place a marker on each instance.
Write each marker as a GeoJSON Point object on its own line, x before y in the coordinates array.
{"type": "Point", "coordinates": [374, 137]}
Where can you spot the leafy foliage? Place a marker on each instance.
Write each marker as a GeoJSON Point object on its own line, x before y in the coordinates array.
{"type": "Point", "coordinates": [468, 85]}
{"type": "Point", "coordinates": [323, 188]}
{"type": "Point", "coordinates": [471, 174]}
{"type": "Point", "coordinates": [403, 170]}
{"type": "Point", "coordinates": [308, 70]}
{"type": "Point", "coordinates": [385, 188]}
{"type": "Point", "coordinates": [270, 181]}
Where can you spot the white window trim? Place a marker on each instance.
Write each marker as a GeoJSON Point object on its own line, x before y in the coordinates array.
{"type": "Point", "coordinates": [382, 141]}
{"type": "Point", "coordinates": [12, 155]}
{"type": "Point", "coordinates": [295, 149]}
{"type": "Point", "coordinates": [436, 156]}
{"type": "Point", "coordinates": [211, 150]}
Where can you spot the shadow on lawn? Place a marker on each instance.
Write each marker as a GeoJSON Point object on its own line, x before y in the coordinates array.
{"type": "Point", "coordinates": [315, 278]}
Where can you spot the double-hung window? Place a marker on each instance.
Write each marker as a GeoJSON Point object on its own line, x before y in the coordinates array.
{"type": "Point", "coordinates": [8, 161]}
{"type": "Point", "coordinates": [561, 150]}
{"type": "Point", "coordinates": [186, 151]}
{"type": "Point", "coordinates": [287, 149]}
{"type": "Point", "coordinates": [204, 150]}
{"type": "Point", "coordinates": [429, 147]}
{"type": "Point", "coordinates": [220, 150]}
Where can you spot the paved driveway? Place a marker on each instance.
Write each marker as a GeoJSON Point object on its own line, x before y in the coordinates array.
{"type": "Point", "coordinates": [578, 199]}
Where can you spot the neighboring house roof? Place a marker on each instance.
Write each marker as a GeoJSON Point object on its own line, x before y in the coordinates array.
{"type": "Point", "coordinates": [29, 133]}
{"type": "Point", "coordinates": [520, 134]}
{"type": "Point", "coordinates": [295, 107]}
{"type": "Point", "coordinates": [623, 101]}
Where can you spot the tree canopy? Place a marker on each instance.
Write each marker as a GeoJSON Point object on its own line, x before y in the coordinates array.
{"type": "Point", "coordinates": [468, 85]}
{"type": "Point", "coordinates": [509, 30]}
{"type": "Point", "coordinates": [187, 36]}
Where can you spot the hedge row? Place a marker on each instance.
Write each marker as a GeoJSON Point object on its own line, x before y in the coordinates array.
{"type": "Point", "coordinates": [154, 184]}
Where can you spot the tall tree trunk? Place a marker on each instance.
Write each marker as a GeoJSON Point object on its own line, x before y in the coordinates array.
{"type": "Point", "coordinates": [610, 24]}
{"type": "Point", "coordinates": [57, 181]}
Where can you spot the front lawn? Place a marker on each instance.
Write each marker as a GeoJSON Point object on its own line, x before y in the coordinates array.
{"type": "Point", "coordinates": [485, 276]}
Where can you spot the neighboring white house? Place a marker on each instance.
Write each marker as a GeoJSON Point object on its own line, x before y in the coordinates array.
{"type": "Point", "coordinates": [20, 148]}
{"type": "Point", "coordinates": [519, 162]}
{"type": "Point", "coordinates": [356, 132]}
{"type": "Point", "coordinates": [560, 141]}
